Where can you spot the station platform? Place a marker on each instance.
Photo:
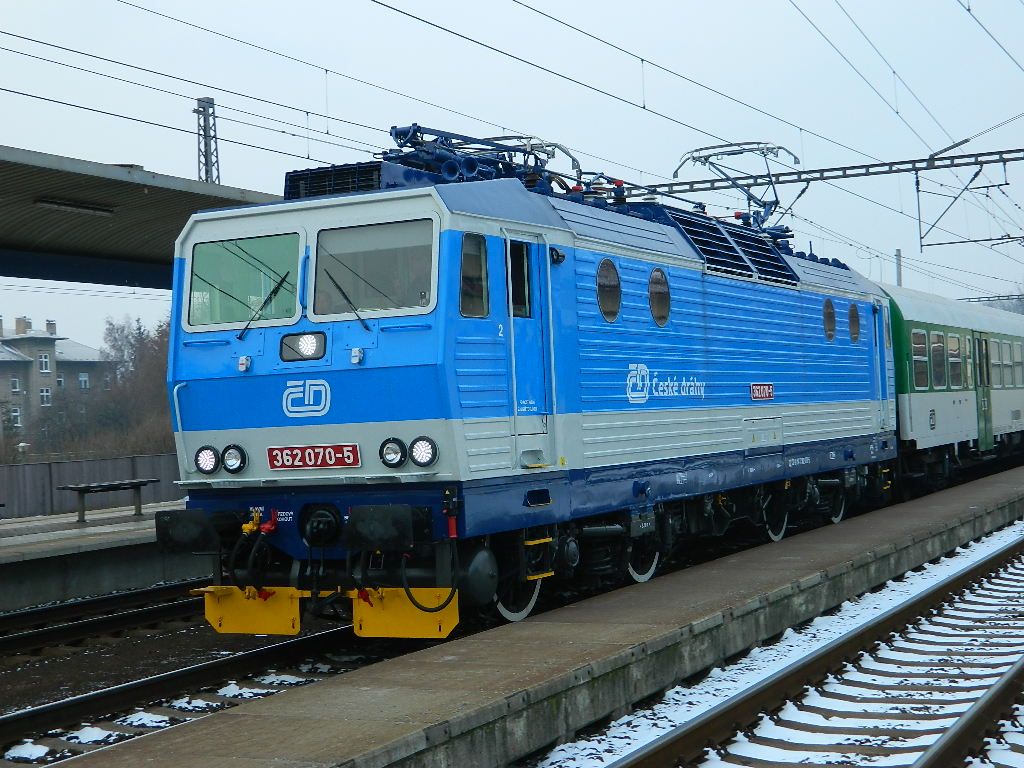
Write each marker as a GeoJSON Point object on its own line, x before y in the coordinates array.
{"type": "Point", "coordinates": [54, 557]}
{"type": "Point", "coordinates": [494, 697]}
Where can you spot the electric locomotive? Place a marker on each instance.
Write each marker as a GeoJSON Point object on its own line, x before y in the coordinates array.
{"type": "Point", "coordinates": [427, 385]}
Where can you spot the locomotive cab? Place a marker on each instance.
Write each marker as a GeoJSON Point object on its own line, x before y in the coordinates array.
{"type": "Point", "coordinates": [325, 357]}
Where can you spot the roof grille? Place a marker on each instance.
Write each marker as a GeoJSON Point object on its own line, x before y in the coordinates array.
{"type": "Point", "coordinates": [733, 249]}
{"type": "Point", "coordinates": [333, 180]}
{"type": "Point", "coordinates": [707, 236]}
{"type": "Point", "coordinates": [766, 260]}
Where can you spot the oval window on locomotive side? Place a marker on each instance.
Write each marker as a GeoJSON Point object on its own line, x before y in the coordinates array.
{"type": "Point", "coordinates": [609, 290]}
{"type": "Point", "coordinates": [828, 318]}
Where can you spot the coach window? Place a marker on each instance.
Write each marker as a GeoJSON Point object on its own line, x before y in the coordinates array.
{"type": "Point", "coordinates": [854, 324]}
{"type": "Point", "coordinates": [658, 295]}
{"type": "Point", "coordinates": [981, 348]}
{"type": "Point", "coordinates": [938, 360]}
{"type": "Point", "coordinates": [995, 364]}
{"type": "Point", "coordinates": [473, 294]}
{"type": "Point", "coordinates": [519, 255]}
{"type": "Point", "coordinates": [609, 290]}
{"type": "Point", "coordinates": [919, 344]}
{"type": "Point", "coordinates": [956, 371]}
{"type": "Point", "coordinates": [1018, 364]}
{"type": "Point", "coordinates": [828, 319]}
{"type": "Point", "coordinates": [968, 362]}
{"type": "Point", "coordinates": [1007, 365]}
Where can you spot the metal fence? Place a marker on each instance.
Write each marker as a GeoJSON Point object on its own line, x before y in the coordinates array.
{"type": "Point", "coordinates": [31, 489]}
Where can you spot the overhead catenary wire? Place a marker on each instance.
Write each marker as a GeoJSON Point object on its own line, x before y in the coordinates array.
{"type": "Point", "coordinates": [153, 123]}
{"type": "Point", "coordinates": [441, 106]}
{"type": "Point", "coordinates": [629, 102]}
{"type": "Point", "coordinates": [675, 73]}
{"type": "Point", "coordinates": [305, 110]}
{"type": "Point", "coordinates": [923, 106]}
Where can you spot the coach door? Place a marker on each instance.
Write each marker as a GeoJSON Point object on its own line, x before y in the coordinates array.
{"type": "Point", "coordinates": [526, 278]}
{"type": "Point", "coordinates": [984, 391]}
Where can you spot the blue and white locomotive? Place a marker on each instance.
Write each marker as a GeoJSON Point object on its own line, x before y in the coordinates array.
{"type": "Point", "coordinates": [427, 385]}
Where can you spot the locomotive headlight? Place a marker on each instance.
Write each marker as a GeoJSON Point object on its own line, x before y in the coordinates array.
{"type": "Point", "coordinates": [307, 345]}
{"type": "Point", "coordinates": [207, 460]}
{"type": "Point", "coordinates": [423, 451]}
{"type": "Point", "coordinates": [303, 346]}
{"type": "Point", "coordinates": [233, 458]}
{"type": "Point", "coordinates": [393, 453]}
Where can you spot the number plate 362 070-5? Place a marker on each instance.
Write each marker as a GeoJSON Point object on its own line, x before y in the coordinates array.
{"type": "Point", "coordinates": [313, 456]}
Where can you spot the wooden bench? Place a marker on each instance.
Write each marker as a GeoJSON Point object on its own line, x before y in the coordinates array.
{"type": "Point", "coordinates": [135, 486]}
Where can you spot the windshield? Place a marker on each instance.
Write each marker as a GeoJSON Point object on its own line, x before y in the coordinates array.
{"type": "Point", "coordinates": [379, 267]}
{"type": "Point", "coordinates": [231, 280]}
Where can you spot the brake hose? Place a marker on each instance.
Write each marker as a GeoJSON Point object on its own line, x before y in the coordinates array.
{"type": "Point", "coordinates": [233, 557]}
{"type": "Point", "coordinates": [451, 595]}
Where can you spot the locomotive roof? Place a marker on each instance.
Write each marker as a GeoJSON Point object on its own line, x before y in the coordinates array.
{"type": "Point", "coordinates": [509, 200]}
{"type": "Point", "coordinates": [926, 308]}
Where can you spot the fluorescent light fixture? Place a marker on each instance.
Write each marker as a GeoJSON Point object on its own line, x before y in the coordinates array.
{"type": "Point", "coordinates": [74, 207]}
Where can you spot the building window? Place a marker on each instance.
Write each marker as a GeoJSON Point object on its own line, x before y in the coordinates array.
{"type": "Point", "coordinates": [828, 319]}
{"type": "Point", "coordinates": [658, 296]}
{"type": "Point", "coordinates": [15, 385]}
{"type": "Point", "coordinates": [919, 342]}
{"type": "Point", "coordinates": [45, 396]}
{"type": "Point", "coordinates": [60, 381]}
{"type": "Point", "coordinates": [15, 417]}
{"type": "Point", "coordinates": [83, 381]}
{"type": "Point", "coordinates": [44, 362]}
{"type": "Point", "coordinates": [106, 382]}
{"type": "Point", "coordinates": [938, 360]}
{"type": "Point", "coordinates": [956, 370]}
{"type": "Point", "coordinates": [473, 295]}
{"type": "Point", "coordinates": [609, 290]}
{"type": "Point", "coordinates": [854, 323]}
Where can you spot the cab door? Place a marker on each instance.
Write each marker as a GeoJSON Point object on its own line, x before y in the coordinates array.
{"type": "Point", "coordinates": [527, 312]}
{"type": "Point", "coordinates": [984, 392]}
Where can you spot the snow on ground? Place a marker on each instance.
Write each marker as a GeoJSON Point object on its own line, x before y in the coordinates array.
{"type": "Point", "coordinates": [145, 720]}
{"type": "Point", "coordinates": [682, 703]}
{"type": "Point", "coordinates": [195, 705]}
{"type": "Point", "coordinates": [26, 752]}
{"type": "Point", "coordinates": [275, 679]}
{"type": "Point", "coordinates": [234, 691]}
{"type": "Point", "coordinates": [90, 734]}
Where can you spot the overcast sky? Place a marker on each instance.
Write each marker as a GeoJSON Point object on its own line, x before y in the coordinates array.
{"type": "Point", "coordinates": [385, 67]}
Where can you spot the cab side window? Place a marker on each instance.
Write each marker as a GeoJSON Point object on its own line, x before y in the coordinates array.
{"type": "Point", "coordinates": [473, 293]}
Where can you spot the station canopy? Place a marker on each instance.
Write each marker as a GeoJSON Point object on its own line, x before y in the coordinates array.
{"type": "Point", "coordinates": [81, 221]}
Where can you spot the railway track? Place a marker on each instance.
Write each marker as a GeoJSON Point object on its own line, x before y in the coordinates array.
{"type": "Point", "coordinates": [921, 685]}
{"type": "Point", "coordinates": [157, 691]}
{"type": "Point", "coordinates": [74, 621]}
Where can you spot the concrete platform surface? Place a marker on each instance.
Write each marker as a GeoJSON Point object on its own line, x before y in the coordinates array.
{"type": "Point", "coordinates": [496, 696]}
{"type": "Point", "coordinates": [54, 557]}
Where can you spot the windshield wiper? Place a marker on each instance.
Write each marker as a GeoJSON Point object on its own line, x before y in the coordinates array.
{"type": "Point", "coordinates": [347, 299]}
{"type": "Point", "coordinates": [266, 301]}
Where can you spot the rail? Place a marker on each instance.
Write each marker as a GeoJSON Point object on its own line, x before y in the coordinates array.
{"type": "Point", "coordinates": [686, 744]}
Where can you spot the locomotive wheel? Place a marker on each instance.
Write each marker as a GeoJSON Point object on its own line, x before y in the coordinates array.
{"type": "Point", "coordinates": [644, 556]}
{"type": "Point", "coordinates": [834, 509]}
{"type": "Point", "coordinates": [515, 599]}
{"type": "Point", "coordinates": [775, 515]}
